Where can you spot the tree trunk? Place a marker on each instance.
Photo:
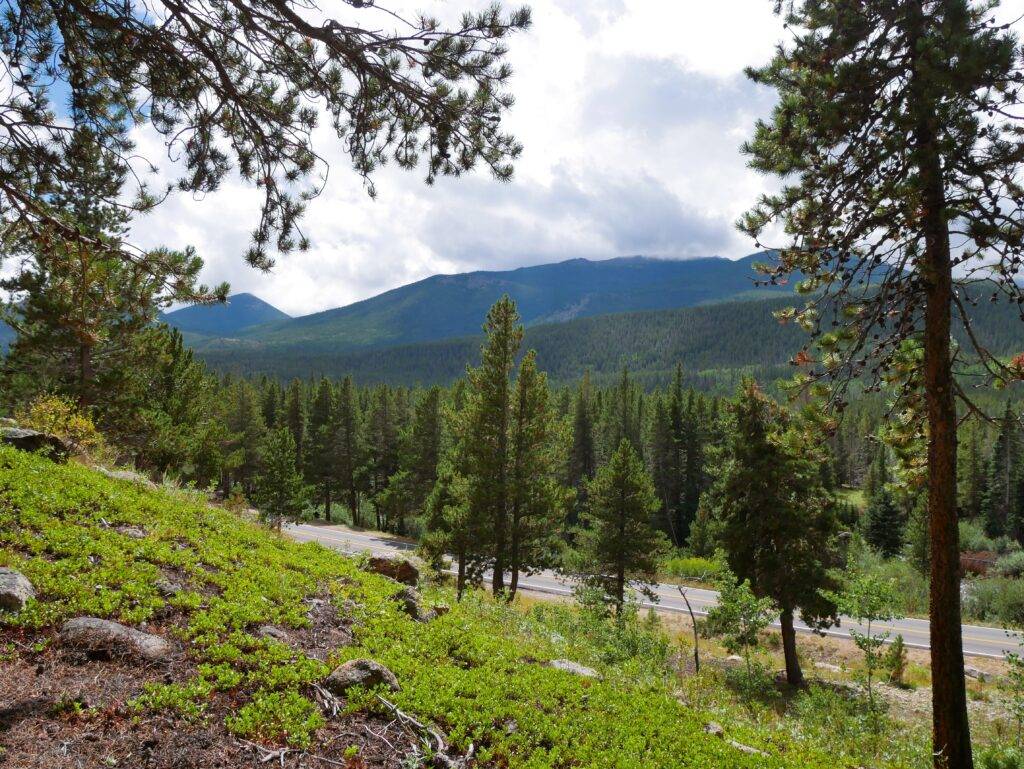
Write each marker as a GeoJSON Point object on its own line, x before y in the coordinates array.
{"type": "Point", "coordinates": [951, 735]}
{"type": "Point", "coordinates": [460, 580]}
{"type": "Point", "coordinates": [327, 503]}
{"type": "Point", "coordinates": [794, 675]}
{"type": "Point", "coordinates": [513, 584]}
{"type": "Point", "coordinates": [950, 727]}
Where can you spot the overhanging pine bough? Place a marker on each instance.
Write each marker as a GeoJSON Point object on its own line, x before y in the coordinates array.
{"type": "Point", "coordinates": [241, 83]}
{"type": "Point", "coordinates": [899, 141]}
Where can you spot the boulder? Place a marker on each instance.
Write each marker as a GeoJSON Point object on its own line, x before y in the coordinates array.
{"type": "Point", "coordinates": [33, 440]}
{"type": "Point", "coordinates": [363, 672]}
{"type": "Point", "coordinates": [100, 636]}
{"type": "Point", "coordinates": [575, 668]}
{"type": "Point", "coordinates": [15, 590]}
{"type": "Point", "coordinates": [167, 588]}
{"type": "Point", "coordinates": [714, 729]}
{"type": "Point", "coordinates": [975, 673]}
{"type": "Point", "coordinates": [269, 631]}
{"type": "Point", "coordinates": [398, 569]}
{"type": "Point", "coordinates": [132, 532]}
{"type": "Point", "coordinates": [409, 600]}
{"type": "Point", "coordinates": [828, 666]}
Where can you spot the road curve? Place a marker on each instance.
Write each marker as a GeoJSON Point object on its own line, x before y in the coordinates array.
{"type": "Point", "coordinates": [979, 641]}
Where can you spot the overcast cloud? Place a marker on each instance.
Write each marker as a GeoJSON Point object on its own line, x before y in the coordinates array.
{"type": "Point", "coordinates": [631, 113]}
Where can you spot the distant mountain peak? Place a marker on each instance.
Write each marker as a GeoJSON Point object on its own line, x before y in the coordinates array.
{"type": "Point", "coordinates": [241, 311]}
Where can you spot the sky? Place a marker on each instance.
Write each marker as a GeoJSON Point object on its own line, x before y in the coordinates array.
{"type": "Point", "coordinates": [631, 113]}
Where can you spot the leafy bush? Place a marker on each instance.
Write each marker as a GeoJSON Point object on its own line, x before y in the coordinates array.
{"type": "Point", "coordinates": [61, 416]}
{"type": "Point", "coordinates": [996, 599]}
{"type": "Point", "coordinates": [913, 592]}
{"type": "Point", "coordinates": [693, 568]}
{"type": "Point", "coordinates": [1001, 758]}
{"type": "Point", "coordinates": [1010, 565]}
{"type": "Point", "coordinates": [974, 539]}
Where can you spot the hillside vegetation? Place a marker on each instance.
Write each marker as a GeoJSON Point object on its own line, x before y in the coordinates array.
{"type": "Point", "coordinates": [715, 343]}
{"type": "Point", "coordinates": [444, 306]}
{"type": "Point", "coordinates": [97, 546]}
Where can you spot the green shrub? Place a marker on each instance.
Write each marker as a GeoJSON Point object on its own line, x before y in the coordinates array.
{"type": "Point", "coordinates": [693, 568]}
{"type": "Point", "coordinates": [974, 539]}
{"type": "Point", "coordinates": [1001, 758]}
{"type": "Point", "coordinates": [278, 717]}
{"type": "Point", "coordinates": [997, 599]}
{"type": "Point", "coordinates": [913, 592]}
{"type": "Point", "coordinates": [1010, 565]}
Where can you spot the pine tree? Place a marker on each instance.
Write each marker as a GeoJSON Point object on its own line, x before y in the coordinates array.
{"type": "Point", "coordinates": [884, 520]}
{"type": "Point", "coordinates": [538, 499]}
{"type": "Point", "coordinates": [895, 131]}
{"type": "Point", "coordinates": [424, 444]}
{"type": "Point", "coordinates": [295, 417]}
{"type": "Point", "coordinates": [777, 522]}
{"type": "Point", "coordinates": [665, 470]}
{"type": "Point", "coordinates": [452, 527]}
{"type": "Point", "coordinates": [227, 86]}
{"type": "Point", "coordinates": [885, 523]}
{"type": "Point", "coordinates": [244, 423]}
{"type": "Point", "coordinates": [279, 492]}
{"type": "Point", "coordinates": [484, 432]}
{"type": "Point", "coordinates": [79, 310]}
{"type": "Point", "coordinates": [617, 547]}
{"type": "Point", "coordinates": [971, 472]}
{"type": "Point", "coordinates": [1001, 500]}
{"type": "Point", "coordinates": [320, 457]}
{"type": "Point", "coordinates": [349, 449]}
{"type": "Point", "coordinates": [383, 444]}
{"type": "Point", "coordinates": [583, 454]}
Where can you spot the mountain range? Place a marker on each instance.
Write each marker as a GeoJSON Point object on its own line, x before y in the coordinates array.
{"type": "Point", "coordinates": [447, 306]}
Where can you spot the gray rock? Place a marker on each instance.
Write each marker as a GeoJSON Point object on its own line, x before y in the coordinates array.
{"type": "Point", "coordinates": [363, 672]}
{"type": "Point", "coordinates": [575, 668]}
{"type": "Point", "coordinates": [129, 476]}
{"type": "Point", "coordinates": [94, 635]}
{"type": "Point", "coordinates": [409, 600]}
{"type": "Point", "coordinates": [828, 666]}
{"type": "Point", "coordinates": [33, 440]}
{"type": "Point", "coordinates": [399, 569]}
{"type": "Point", "coordinates": [269, 631]}
{"type": "Point", "coordinates": [15, 590]}
{"type": "Point", "coordinates": [975, 673]}
{"type": "Point", "coordinates": [132, 532]}
{"type": "Point", "coordinates": [714, 729]}
{"type": "Point", "coordinates": [746, 748]}
{"type": "Point", "coordinates": [168, 589]}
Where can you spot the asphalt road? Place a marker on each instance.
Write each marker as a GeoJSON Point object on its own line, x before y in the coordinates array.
{"type": "Point", "coordinates": [979, 641]}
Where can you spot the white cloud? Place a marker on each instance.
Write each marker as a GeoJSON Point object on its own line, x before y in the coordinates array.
{"type": "Point", "coordinates": [631, 113]}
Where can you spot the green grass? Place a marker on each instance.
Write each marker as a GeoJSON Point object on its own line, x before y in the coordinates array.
{"type": "Point", "coordinates": [477, 672]}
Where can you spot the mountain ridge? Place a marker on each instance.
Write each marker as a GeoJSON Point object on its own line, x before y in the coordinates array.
{"type": "Point", "coordinates": [452, 305]}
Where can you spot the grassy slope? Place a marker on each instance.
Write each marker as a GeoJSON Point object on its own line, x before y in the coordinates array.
{"type": "Point", "coordinates": [475, 672]}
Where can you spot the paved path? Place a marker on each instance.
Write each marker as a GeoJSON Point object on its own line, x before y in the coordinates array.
{"type": "Point", "coordinates": [979, 641]}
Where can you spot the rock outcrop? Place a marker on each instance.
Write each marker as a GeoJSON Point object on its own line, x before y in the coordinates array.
{"type": "Point", "coordinates": [100, 636]}
{"type": "Point", "coordinates": [33, 440]}
{"type": "Point", "coordinates": [575, 668]}
{"type": "Point", "coordinates": [15, 590]}
{"type": "Point", "coordinates": [361, 672]}
{"type": "Point", "coordinates": [399, 569]}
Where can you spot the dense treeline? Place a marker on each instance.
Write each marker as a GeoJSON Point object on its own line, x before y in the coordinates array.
{"type": "Point", "coordinates": [717, 344]}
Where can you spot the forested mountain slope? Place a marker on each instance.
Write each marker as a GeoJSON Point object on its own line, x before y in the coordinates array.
{"type": "Point", "coordinates": [241, 312]}
{"type": "Point", "coordinates": [715, 343]}
{"type": "Point", "coordinates": [445, 306]}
